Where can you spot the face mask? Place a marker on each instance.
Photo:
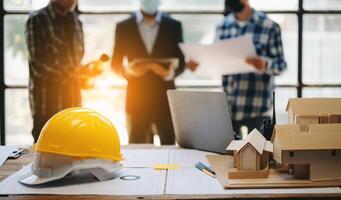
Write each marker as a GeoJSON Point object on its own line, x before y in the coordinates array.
{"type": "Point", "coordinates": [150, 6]}
{"type": "Point", "coordinates": [235, 6]}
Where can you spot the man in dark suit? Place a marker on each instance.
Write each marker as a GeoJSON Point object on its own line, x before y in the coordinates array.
{"type": "Point", "coordinates": [150, 35]}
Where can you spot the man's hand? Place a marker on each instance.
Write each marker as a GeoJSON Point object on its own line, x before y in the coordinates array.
{"type": "Point", "coordinates": [137, 70]}
{"type": "Point", "coordinates": [192, 65]}
{"type": "Point", "coordinates": [160, 70]}
{"type": "Point", "coordinates": [258, 62]}
{"type": "Point", "coordinates": [96, 68]}
{"type": "Point", "coordinates": [82, 72]}
{"type": "Point", "coordinates": [90, 70]}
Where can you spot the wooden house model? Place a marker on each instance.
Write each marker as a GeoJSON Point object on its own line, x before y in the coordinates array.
{"type": "Point", "coordinates": [314, 110]}
{"type": "Point", "coordinates": [251, 156]}
{"type": "Point", "coordinates": [309, 151]}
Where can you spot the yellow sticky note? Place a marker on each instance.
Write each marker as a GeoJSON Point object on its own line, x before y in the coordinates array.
{"type": "Point", "coordinates": [166, 166]}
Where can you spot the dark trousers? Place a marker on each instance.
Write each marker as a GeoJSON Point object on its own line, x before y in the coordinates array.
{"type": "Point", "coordinates": [250, 123]}
{"type": "Point", "coordinates": [48, 98]}
{"type": "Point", "coordinates": [141, 128]}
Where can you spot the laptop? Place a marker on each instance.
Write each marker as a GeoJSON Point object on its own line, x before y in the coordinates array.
{"type": "Point", "coordinates": [201, 119]}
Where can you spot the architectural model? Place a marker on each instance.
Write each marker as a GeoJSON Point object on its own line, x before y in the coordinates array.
{"type": "Point", "coordinates": [314, 110]}
{"type": "Point", "coordinates": [309, 152]}
{"type": "Point", "coordinates": [251, 156]}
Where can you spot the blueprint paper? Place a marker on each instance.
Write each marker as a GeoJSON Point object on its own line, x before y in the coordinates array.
{"type": "Point", "coordinates": [6, 151]}
{"type": "Point", "coordinates": [223, 57]}
{"type": "Point", "coordinates": [144, 158]}
{"type": "Point", "coordinates": [150, 183]}
{"type": "Point", "coordinates": [191, 181]}
{"type": "Point", "coordinates": [188, 157]}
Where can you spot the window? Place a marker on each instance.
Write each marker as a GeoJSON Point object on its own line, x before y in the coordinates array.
{"type": "Point", "coordinates": [167, 5]}
{"type": "Point", "coordinates": [277, 5]}
{"type": "Point", "coordinates": [313, 74]}
{"type": "Point", "coordinates": [281, 100]}
{"type": "Point", "coordinates": [322, 4]}
{"type": "Point", "coordinates": [321, 41]}
{"type": "Point", "coordinates": [15, 53]}
{"type": "Point", "coordinates": [23, 5]}
{"type": "Point", "coordinates": [107, 5]}
{"type": "Point", "coordinates": [99, 34]}
{"type": "Point", "coordinates": [288, 24]}
{"type": "Point", "coordinates": [18, 117]}
{"type": "Point", "coordinates": [322, 92]}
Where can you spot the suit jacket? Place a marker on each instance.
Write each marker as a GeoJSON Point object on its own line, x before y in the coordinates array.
{"type": "Point", "coordinates": [147, 93]}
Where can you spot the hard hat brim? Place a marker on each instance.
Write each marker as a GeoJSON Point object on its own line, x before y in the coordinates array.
{"type": "Point", "coordinates": [101, 169]}
{"type": "Point", "coordinates": [31, 179]}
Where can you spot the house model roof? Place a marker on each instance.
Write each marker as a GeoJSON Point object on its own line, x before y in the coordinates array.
{"type": "Point", "coordinates": [314, 106]}
{"type": "Point", "coordinates": [310, 137]}
{"type": "Point", "coordinates": [255, 139]}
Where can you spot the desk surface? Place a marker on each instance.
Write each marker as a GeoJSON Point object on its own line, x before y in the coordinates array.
{"type": "Point", "coordinates": [12, 166]}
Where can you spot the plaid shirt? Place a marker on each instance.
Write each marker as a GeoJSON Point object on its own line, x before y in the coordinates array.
{"type": "Point", "coordinates": [56, 47]}
{"type": "Point", "coordinates": [250, 94]}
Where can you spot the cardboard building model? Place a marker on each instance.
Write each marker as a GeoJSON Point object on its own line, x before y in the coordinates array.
{"type": "Point", "coordinates": [314, 110]}
{"type": "Point", "coordinates": [251, 156]}
{"type": "Point", "coordinates": [309, 151]}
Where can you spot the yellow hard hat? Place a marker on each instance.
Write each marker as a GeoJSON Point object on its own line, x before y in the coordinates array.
{"type": "Point", "coordinates": [80, 132]}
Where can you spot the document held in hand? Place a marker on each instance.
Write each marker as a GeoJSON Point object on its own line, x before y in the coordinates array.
{"type": "Point", "coordinates": [223, 57]}
{"type": "Point", "coordinates": [165, 62]}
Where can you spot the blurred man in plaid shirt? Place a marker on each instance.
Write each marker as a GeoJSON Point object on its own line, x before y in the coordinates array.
{"type": "Point", "coordinates": [250, 94]}
{"type": "Point", "coordinates": [54, 37]}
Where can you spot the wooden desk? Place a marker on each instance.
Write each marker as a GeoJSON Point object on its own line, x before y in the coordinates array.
{"type": "Point", "coordinates": [12, 166]}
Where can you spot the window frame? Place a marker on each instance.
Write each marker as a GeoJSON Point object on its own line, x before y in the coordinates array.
{"type": "Point", "coordinates": [300, 12]}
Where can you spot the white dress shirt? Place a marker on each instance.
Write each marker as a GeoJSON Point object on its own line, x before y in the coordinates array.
{"type": "Point", "coordinates": [149, 32]}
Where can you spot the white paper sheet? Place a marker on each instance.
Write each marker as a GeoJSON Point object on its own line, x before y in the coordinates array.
{"type": "Point", "coordinates": [192, 181]}
{"type": "Point", "coordinates": [188, 157]}
{"type": "Point", "coordinates": [223, 57]}
{"type": "Point", "coordinates": [144, 158]}
{"type": "Point", "coordinates": [152, 182]}
{"type": "Point", "coordinates": [6, 151]}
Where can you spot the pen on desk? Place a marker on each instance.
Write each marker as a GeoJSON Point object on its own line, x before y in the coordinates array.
{"type": "Point", "coordinates": [207, 168]}
{"type": "Point", "coordinates": [208, 173]}
{"type": "Point", "coordinates": [201, 168]}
